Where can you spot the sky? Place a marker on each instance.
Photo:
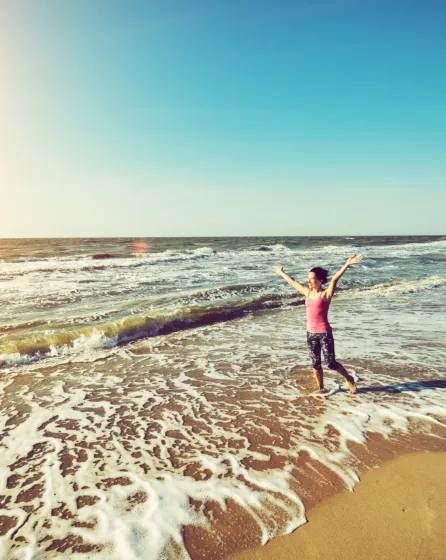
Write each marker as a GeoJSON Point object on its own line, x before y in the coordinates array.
{"type": "Point", "coordinates": [238, 117]}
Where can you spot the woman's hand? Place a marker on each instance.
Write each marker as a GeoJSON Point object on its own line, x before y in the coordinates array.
{"type": "Point", "coordinates": [278, 269]}
{"type": "Point", "coordinates": [354, 260]}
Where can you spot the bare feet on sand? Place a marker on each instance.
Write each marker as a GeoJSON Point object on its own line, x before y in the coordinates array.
{"type": "Point", "coordinates": [352, 386]}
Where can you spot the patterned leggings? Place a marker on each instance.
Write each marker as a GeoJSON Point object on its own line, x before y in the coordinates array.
{"type": "Point", "coordinates": [325, 342]}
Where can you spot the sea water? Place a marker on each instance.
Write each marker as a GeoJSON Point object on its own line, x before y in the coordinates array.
{"type": "Point", "coordinates": [149, 399]}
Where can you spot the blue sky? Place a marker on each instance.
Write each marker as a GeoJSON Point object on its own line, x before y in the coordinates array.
{"type": "Point", "coordinates": [177, 118]}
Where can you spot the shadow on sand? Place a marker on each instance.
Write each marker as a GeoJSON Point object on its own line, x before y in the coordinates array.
{"type": "Point", "coordinates": [405, 387]}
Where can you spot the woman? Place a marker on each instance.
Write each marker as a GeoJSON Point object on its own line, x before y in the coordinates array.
{"type": "Point", "coordinates": [319, 332]}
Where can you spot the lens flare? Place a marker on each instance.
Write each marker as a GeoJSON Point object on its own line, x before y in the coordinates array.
{"type": "Point", "coordinates": [141, 247]}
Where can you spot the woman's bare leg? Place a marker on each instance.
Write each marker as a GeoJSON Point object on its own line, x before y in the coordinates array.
{"type": "Point", "coordinates": [319, 375]}
{"type": "Point", "coordinates": [350, 381]}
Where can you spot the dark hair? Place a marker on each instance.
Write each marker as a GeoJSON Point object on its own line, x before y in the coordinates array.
{"type": "Point", "coordinates": [321, 273]}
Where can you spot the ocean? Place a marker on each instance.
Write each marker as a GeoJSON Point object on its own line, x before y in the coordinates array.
{"type": "Point", "coordinates": [160, 404]}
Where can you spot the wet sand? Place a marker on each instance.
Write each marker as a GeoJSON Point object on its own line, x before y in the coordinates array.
{"type": "Point", "coordinates": [396, 511]}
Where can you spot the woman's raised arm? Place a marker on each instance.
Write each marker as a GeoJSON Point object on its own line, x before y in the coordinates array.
{"type": "Point", "coordinates": [333, 282]}
{"type": "Point", "coordinates": [301, 289]}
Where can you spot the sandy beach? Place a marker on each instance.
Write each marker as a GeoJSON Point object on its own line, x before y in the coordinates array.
{"type": "Point", "coordinates": [396, 511]}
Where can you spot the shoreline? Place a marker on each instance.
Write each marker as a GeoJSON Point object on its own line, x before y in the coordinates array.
{"type": "Point", "coordinates": [397, 510]}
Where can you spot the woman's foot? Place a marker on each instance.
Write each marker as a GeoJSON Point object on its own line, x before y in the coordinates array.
{"type": "Point", "coordinates": [350, 380]}
{"type": "Point", "coordinates": [352, 386]}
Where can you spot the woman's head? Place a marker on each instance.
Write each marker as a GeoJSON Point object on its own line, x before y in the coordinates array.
{"type": "Point", "coordinates": [316, 277]}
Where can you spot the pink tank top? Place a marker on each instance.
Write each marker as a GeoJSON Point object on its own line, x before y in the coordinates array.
{"type": "Point", "coordinates": [317, 315]}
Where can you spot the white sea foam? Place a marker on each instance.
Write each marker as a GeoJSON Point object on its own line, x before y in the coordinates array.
{"type": "Point", "coordinates": [394, 288]}
{"type": "Point", "coordinates": [97, 340]}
